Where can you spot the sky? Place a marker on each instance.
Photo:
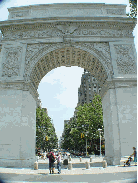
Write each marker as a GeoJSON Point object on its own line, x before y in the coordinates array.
{"type": "Point", "coordinates": [58, 90]}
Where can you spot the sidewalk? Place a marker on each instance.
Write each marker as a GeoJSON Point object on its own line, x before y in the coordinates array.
{"type": "Point", "coordinates": [74, 171]}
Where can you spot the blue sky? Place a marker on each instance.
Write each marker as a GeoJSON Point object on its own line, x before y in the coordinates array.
{"type": "Point", "coordinates": [58, 90]}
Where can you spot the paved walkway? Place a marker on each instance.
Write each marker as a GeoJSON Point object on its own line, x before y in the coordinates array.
{"type": "Point", "coordinates": [74, 171]}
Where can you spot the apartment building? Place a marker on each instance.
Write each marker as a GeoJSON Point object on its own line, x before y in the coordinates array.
{"type": "Point", "coordinates": [89, 86]}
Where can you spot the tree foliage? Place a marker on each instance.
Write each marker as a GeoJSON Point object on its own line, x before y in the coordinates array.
{"type": "Point", "coordinates": [44, 127]}
{"type": "Point", "coordinates": [133, 8]}
{"type": "Point", "coordinates": [88, 120]}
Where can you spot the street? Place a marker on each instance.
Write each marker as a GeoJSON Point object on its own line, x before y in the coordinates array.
{"type": "Point", "coordinates": [89, 178]}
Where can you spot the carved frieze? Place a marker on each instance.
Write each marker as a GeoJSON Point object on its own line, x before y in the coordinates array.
{"type": "Point", "coordinates": [103, 32]}
{"type": "Point", "coordinates": [73, 29]}
{"type": "Point", "coordinates": [32, 34]}
{"type": "Point", "coordinates": [125, 59]}
{"type": "Point", "coordinates": [11, 64]}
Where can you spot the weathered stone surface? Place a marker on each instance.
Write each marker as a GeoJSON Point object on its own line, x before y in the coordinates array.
{"type": "Point", "coordinates": [35, 40]}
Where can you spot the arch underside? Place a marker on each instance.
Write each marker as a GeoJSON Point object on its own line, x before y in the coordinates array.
{"type": "Point", "coordinates": [68, 56]}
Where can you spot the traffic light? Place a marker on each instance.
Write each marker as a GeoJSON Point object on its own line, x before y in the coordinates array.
{"type": "Point", "coordinates": [46, 138]}
{"type": "Point", "coordinates": [82, 135]}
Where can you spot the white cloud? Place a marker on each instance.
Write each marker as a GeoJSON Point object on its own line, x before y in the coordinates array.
{"type": "Point", "coordinates": [69, 78]}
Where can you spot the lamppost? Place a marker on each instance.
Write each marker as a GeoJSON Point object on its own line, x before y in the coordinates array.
{"type": "Point", "coordinates": [86, 134]}
{"type": "Point", "coordinates": [86, 142]}
{"type": "Point", "coordinates": [100, 139]}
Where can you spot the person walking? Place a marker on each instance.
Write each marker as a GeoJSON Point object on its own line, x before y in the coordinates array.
{"type": "Point", "coordinates": [59, 162]}
{"type": "Point", "coordinates": [135, 155]}
{"type": "Point", "coordinates": [65, 161]}
{"type": "Point", "coordinates": [51, 157]}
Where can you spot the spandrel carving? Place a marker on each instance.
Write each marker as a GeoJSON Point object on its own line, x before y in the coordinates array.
{"type": "Point", "coordinates": [11, 66]}
{"type": "Point", "coordinates": [125, 59]}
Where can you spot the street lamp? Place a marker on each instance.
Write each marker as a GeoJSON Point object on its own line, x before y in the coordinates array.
{"type": "Point", "coordinates": [100, 139]}
{"type": "Point", "coordinates": [86, 142]}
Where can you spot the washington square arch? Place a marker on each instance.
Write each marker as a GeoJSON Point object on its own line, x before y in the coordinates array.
{"type": "Point", "coordinates": [38, 38]}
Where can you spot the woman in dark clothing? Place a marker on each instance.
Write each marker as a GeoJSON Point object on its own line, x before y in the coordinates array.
{"type": "Point", "coordinates": [51, 157]}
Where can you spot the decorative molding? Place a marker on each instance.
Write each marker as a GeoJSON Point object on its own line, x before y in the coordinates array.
{"type": "Point", "coordinates": [33, 34]}
{"type": "Point", "coordinates": [125, 59]}
{"type": "Point", "coordinates": [67, 28]}
{"type": "Point", "coordinates": [41, 30]}
{"type": "Point", "coordinates": [11, 64]}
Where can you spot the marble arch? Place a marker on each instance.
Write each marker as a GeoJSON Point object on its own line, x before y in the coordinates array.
{"type": "Point", "coordinates": [36, 39]}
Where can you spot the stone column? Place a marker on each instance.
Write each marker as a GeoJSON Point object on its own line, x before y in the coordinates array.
{"type": "Point", "coordinates": [111, 128]}
{"type": "Point", "coordinates": [120, 120]}
{"type": "Point", "coordinates": [17, 110]}
{"type": "Point", "coordinates": [17, 126]}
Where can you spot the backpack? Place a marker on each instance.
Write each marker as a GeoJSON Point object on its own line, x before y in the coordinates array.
{"type": "Point", "coordinates": [52, 158]}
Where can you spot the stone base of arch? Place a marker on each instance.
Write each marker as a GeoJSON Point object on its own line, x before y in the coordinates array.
{"type": "Point", "coordinates": [120, 121]}
{"type": "Point", "coordinates": [17, 128]}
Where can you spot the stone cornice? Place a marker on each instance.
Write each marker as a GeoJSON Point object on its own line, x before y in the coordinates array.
{"type": "Point", "coordinates": [128, 24]}
{"type": "Point", "coordinates": [76, 20]}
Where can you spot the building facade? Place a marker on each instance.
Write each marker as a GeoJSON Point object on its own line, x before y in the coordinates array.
{"type": "Point", "coordinates": [89, 86]}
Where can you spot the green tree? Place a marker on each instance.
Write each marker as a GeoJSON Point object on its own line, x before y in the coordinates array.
{"type": "Point", "coordinates": [133, 8]}
{"type": "Point", "coordinates": [44, 127]}
{"type": "Point", "coordinates": [89, 119]}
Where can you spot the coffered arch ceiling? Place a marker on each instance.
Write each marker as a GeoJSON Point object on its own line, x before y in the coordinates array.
{"type": "Point", "coordinates": [68, 56]}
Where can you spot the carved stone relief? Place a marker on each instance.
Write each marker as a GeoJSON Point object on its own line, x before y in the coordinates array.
{"type": "Point", "coordinates": [125, 59]}
{"type": "Point", "coordinates": [67, 28]}
{"type": "Point", "coordinates": [11, 64]}
{"type": "Point", "coordinates": [103, 32]}
{"type": "Point", "coordinates": [31, 34]}
{"type": "Point", "coordinates": [44, 57]}
{"type": "Point", "coordinates": [58, 30]}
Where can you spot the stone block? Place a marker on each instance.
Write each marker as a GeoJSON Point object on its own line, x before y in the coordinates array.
{"type": "Point", "coordinates": [104, 164]}
{"type": "Point", "coordinates": [87, 165]}
{"type": "Point", "coordinates": [70, 166]}
{"type": "Point", "coordinates": [36, 165]}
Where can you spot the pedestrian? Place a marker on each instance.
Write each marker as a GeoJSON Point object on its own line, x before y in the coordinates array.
{"type": "Point", "coordinates": [51, 157]}
{"type": "Point", "coordinates": [59, 162]}
{"type": "Point", "coordinates": [65, 161]}
{"type": "Point", "coordinates": [135, 155]}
